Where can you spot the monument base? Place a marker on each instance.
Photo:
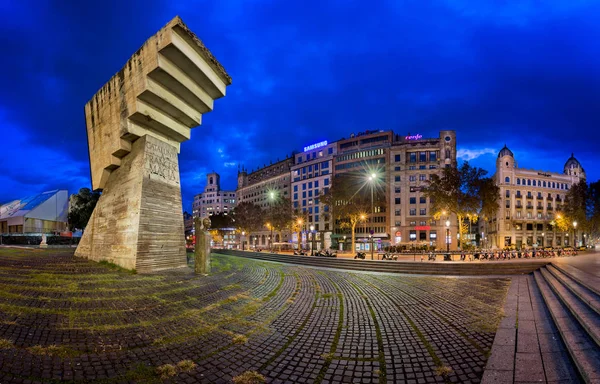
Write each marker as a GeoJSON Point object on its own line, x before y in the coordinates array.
{"type": "Point", "coordinates": [138, 221]}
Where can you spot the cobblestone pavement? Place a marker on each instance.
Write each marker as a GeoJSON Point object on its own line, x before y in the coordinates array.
{"type": "Point", "coordinates": [68, 319]}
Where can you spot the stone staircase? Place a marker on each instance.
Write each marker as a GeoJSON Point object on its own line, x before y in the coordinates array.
{"type": "Point", "coordinates": [425, 267]}
{"type": "Point", "coordinates": [573, 300]}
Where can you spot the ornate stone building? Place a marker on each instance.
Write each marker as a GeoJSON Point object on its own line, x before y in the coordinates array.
{"type": "Point", "coordinates": [529, 200]}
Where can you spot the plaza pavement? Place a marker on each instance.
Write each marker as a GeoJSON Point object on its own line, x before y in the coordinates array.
{"type": "Point", "coordinates": [64, 319]}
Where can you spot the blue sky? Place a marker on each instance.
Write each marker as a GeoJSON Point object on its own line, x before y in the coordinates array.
{"type": "Point", "coordinates": [524, 73]}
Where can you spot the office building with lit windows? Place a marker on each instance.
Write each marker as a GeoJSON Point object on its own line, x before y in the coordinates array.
{"type": "Point", "coordinates": [529, 200]}
{"type": "Point", "coordinates": [367, 152]}
{"type": "Point", "coordinates": [311, 178]}
{"type": "Point", "coordinates": [412, 160]}
{"type": "Point", "coordinates": [261, 187]}
{"type": "Point", "coordinates": [213, 200]}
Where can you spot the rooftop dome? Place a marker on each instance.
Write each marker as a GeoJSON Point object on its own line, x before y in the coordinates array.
{"type": "Point", "coordinates": [505, 152]}
{"type": "Point", "coordinates": [572, 162]}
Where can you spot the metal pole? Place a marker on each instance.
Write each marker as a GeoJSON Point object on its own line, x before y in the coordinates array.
{"type": "Point", "coordinates": [372, 214]}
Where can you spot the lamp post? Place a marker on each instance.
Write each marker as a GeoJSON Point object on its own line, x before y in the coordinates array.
{"type": "Point", "coordinates": [300, 222]}
{"type": "Point", "coordinates": [543, 238]}
{"type": "Point", "coordinates": [372, 179]}
{"type": "Point", "coordinates": [448, 236]}
{"type": "Point", "coordinates": [312, 240]}
{"type": "Point", "coordinates": [243, 234]}
{"type": "Point", "coordinates": [575, 234]}
{"type": "Point", "coordinates": [270, 226]}
{"type": "Point", "coordinates": [344, 246]}
{"type": "Point", "coordinates": [255, 239]}
{"type": "Point", "coordinates": [363, 217]}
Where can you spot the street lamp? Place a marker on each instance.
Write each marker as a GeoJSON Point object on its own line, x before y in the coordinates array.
{"type": "Point", "coordinates": [372, 179]}
{"type": "Point", "coordinates": [371, 240]}
{"type": "Point", "coordinates": [270, 226]}
{"type": "Point", "coordinates": [243, 234]}
{"type": "Point", "coordinates": [312, 240]}
{"type": "Point", "coordinates": [300, 223]}
{"type": "Point", "coordinates": [543, 238]}
{"type": "Point", "coordinates": [575, 234]}
{"type": "Point", "coordinates": [344, 246]}
{"type": "Point", "coordinates": [448, 236]}
{"type": "Point", "coordinates": [272, 196]}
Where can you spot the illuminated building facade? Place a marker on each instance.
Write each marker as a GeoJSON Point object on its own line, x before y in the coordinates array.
{"type": "Point", "coordinates": [213, 200]}
{"type": "Point", "coordinates": [311, 178]}
{"type": "Point", "coordinates": [257, 187]}
{"type": "Point", "coordinates": [367, 152]}
{"type": "Point", "coordinates": [412, 160]}
{"type": "Point", "coordinates": [529, 200]}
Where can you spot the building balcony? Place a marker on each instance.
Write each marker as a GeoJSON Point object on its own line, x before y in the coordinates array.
{"type": "Point", "coordinates": [549, 208]}
{"type": "Point", "coordinates": [529, 197]}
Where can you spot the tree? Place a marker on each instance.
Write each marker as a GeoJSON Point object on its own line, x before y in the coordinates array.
{"type": "Point", "coordinates": [594, 209]}
{"type": "Point", "coordinates": [82, 206]}
{"type": "Point", "coordinates": [349, 201]}
{"type": "Point", "coordinates": [280, 214]}
{"type": "Point", "coordinates": [578, 208]}
{"type": "Point", "coordinates": [465, 192]}
{"type": "Point", "coordinates": [219, 223]}
{"type": "Point", "coordinates": [248, 217]}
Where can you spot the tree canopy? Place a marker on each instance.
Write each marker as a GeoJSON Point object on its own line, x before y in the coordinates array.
{"type": "Point", "coordinates": [279, 214]}
{"type": "Point", "coordinates": [463, 191]}
{"type": "Point", "coordinates": [248, 217]}
{"type": "Point", "coordinates": [83, 204]}
{"type": "Point", "coordinates": [582, 205]}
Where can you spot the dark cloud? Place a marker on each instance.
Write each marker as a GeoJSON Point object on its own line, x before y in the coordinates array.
{"type": "Point", "coordinates": [525, 74]}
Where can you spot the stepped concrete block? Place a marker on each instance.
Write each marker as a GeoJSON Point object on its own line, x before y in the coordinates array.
{"type": "Point", "coordinates": [587, 296]}
{"type": "Point", "coordinates": [589, 281]}
{"type": "Point", "coordinates": [588, 318]}
{"type": "Point", "coordinates": [135, 124]}
{"type": "Point", "coordinates": [583, 350]}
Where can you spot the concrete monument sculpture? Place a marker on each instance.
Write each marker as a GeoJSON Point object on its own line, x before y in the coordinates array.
{"type": "Point", "coordinates": [135, 124]}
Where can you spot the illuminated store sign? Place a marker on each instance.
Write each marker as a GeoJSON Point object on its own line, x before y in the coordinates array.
{"type": "Point", "coordinates": [315, 146]}
{"type": "Point", "coordinates": [414, 137]}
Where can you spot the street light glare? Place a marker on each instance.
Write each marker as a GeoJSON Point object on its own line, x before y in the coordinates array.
{"type": "Point", "coordinates": [447, 223]}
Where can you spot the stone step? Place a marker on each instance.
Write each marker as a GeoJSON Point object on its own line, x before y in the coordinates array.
{"type": "Point", "coordinates": [591, 282]}
{"type": "Point", "coordinates": [586, 316]}
{"type": "Point", "coordinates": [434, 268]}
{"type": "Point", "coordinates": [581, 346]}
{"type": "Point", "coordinates": [588, 296]}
